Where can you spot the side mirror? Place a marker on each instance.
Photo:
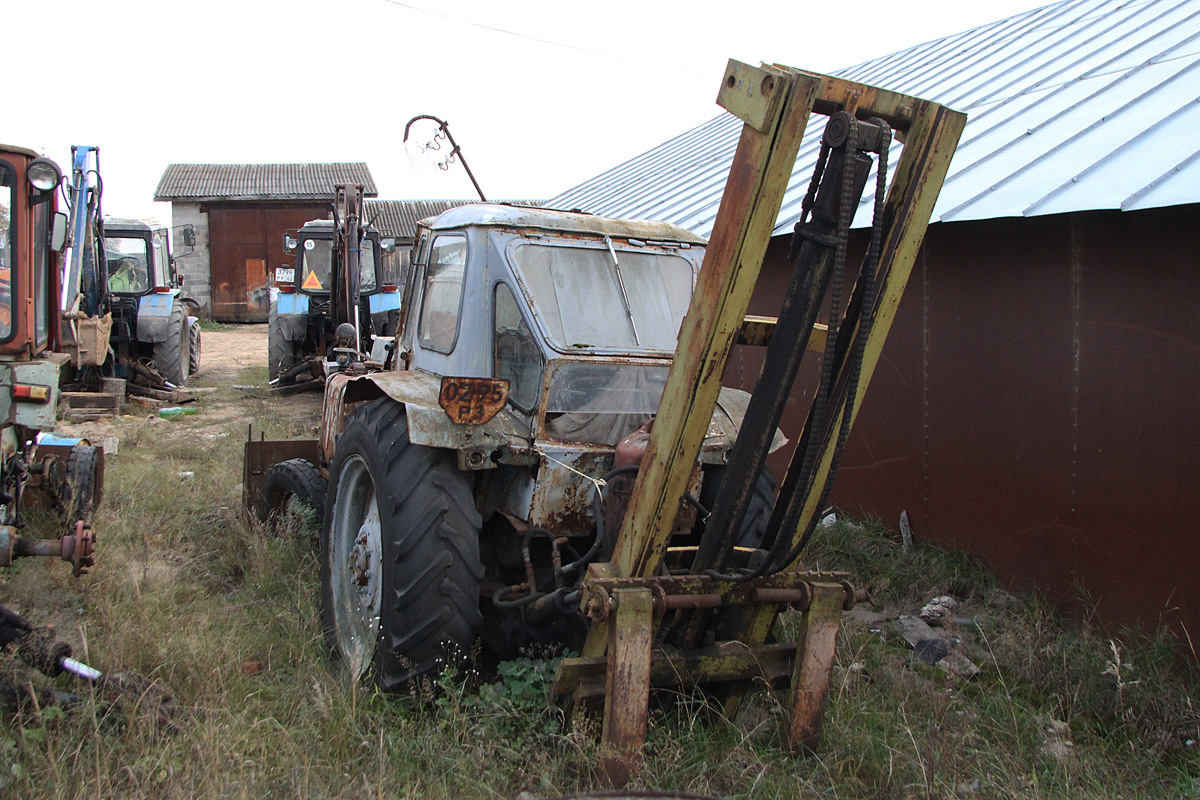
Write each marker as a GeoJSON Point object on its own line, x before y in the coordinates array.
{"type": "Point", "coordinates": [387, 245]}
{"type": "Point", "coordinates": [289, 243]}
{"type": "Point", "coordinates": [58, 232]}
{"type": "Point", "coordinates": [189, 236]}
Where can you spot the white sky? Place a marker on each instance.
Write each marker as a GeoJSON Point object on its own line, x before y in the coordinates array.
{"type": "Point", "coordinates": [540, 94]}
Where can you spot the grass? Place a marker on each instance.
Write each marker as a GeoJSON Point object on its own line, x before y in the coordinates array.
{"type": "Point", "coordinates": [224, 614]}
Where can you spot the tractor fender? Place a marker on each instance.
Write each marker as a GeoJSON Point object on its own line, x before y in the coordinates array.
{"type": "Point", "coordinates": [154, 316]}
{"type": "Point", "coordinates": [291, 314]}
{"type": "Point", "coordinates": [478, 446]}
{"type": "Point", "coordinates": [726, 422]}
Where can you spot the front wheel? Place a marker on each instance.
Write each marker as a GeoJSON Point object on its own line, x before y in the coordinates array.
{"type": "Point", "coordinates": [400, 567]}
{"type": "Point", "coordinates": [293, 493]}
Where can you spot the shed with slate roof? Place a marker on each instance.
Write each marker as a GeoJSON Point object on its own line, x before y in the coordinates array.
{"type": "Point", "coordinates": [239, 213]}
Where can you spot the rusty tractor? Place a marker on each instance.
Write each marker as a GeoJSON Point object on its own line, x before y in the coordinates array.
{"type": "Point", "coordinates": [547, 456]}
{"type": "Point", "coordinates": [70, 474]}
{"type": "Point", "coordinates": [37, 468]}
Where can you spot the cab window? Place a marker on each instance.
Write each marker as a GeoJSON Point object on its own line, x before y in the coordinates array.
{"type": "Point", "coordinates": [366, 262]}
{"type": "Point", "coordinates": [42, 264]}
{"type": "Point", "coordinates": [7, 201]}
{"type": "Point", "coordinates": [128, 264]}
{"type": "Point", "coordinates": [441, 296]}
{"type": "Point", "coordinates": [316, 259]}
{"type": "Point", "coordinates": [517, 358]}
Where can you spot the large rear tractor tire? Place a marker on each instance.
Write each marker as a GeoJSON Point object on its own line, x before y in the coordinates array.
{"type": "Point", "coordinates": [400, 566]}
{"type": "Point", "coordinates": [171, 356]}
{"type": "Point", "coordinates": [293, 495]}
{"type": "Point", "coordinates": [762, 503]}
{"type": "Point", "coordinates": [193, 345]}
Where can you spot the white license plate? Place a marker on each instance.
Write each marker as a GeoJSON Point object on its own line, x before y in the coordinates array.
{"type": "Point", "coordinates": [285, 274]}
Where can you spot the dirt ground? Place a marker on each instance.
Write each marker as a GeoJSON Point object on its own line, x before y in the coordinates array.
{"type": "Point", "coordinates": [225, 353]}
{"type": "Point", "coordinates": [231, 380]}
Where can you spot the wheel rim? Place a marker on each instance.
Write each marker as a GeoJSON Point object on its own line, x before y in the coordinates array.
{"type": "Point", "coordinates": [356, 551]}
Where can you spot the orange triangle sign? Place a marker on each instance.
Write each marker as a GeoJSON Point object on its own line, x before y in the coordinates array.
{"type": "Point", "coordinates": [312, 283]}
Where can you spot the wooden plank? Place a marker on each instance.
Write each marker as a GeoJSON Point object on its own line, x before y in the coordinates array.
{"type": "Point", "coordinates": [815, 650]}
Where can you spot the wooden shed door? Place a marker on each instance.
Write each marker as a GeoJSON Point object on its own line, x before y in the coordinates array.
{"type": "Point", "coordinates": [244, 241]}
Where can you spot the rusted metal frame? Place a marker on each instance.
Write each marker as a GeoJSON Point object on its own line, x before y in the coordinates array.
{"type": "Point", "coordinates": [346, 239]}
{"type": "Point", "coordinates": [627, 695]}
{"type": "Point", "coordinates": [757, 331]}
{"type": "Point", "coordinates": [932, 138]}
{"type": "Point", "coordinates": [816, 647]}
{"type": "Point", "coordinates": [673, 591]}
{"type": "Point", "coordinates": [901, 111]}
{"type": "Point", "coordinates": [753, 196]}
{"type": "Point", "coordinates": [259, 456]}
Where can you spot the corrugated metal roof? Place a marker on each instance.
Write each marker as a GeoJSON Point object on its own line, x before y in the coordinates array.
{"type": "Point", "coordinates": [261, 181]}
{"type": "Point", "coordinates": [399, 218]}
{"type": "Point", "coordinates": [1083, 104]}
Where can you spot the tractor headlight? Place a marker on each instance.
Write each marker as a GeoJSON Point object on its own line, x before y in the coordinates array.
{"type": "Point", "coordinates": [43, 174]}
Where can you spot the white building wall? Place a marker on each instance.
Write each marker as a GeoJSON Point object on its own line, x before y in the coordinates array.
{"type": "Point", "coordinates": [195, 264]}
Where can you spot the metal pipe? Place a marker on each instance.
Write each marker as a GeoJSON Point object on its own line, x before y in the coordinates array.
{"type": "Point", "coordinates": [81, 669]}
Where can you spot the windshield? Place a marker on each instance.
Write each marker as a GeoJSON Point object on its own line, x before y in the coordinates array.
{"type": "Point", "coordinates": [601, 402]}
{"type": "Point", "coordinates": [315, 258]}
{"type": "Point", "coordinates": [589, 299]}
{"type": "Point", "coordinates": [127, 261]}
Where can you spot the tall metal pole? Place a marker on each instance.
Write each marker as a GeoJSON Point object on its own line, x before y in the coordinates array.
{"type": "Point", "coordinates": [444, 127]}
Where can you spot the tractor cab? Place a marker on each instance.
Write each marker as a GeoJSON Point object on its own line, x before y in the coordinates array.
{"type": "Point", "coordinates": [579, 314]}
{"type": "Point", "coordinates": [138, 258]}
{"type": "Point", "coordinates": [313, 272]}
{"type": "Point", "coordinates": [30, 234]}
{"type": "Point", "coordinates": [311, 298]}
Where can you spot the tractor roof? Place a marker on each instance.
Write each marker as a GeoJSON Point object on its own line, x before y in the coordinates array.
{"type": "Point", "coordinates": [122, 224]}
{"type": "Point", "coordinates": [504, 216]}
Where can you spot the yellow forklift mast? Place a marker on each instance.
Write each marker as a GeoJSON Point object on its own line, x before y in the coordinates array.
{"type": "Point", "coordinates": [701, 616]}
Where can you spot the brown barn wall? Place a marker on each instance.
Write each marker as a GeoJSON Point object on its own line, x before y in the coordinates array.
{"type": "Point", "coordinates": [242, 232]}
{"type": "Point", "coordinates": [1034, 405]}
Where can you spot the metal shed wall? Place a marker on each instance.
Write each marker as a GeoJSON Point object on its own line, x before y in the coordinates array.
{"type": "Point", "coordinates": [246, 243]}
{"type": "Point", "coordinates": [1035, 406]}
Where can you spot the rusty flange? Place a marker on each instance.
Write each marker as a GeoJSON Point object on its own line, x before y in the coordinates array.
{"type": "Point", "coordinates": [596, 602]}
{"type": "Point", "coordinates": [79, 548]}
